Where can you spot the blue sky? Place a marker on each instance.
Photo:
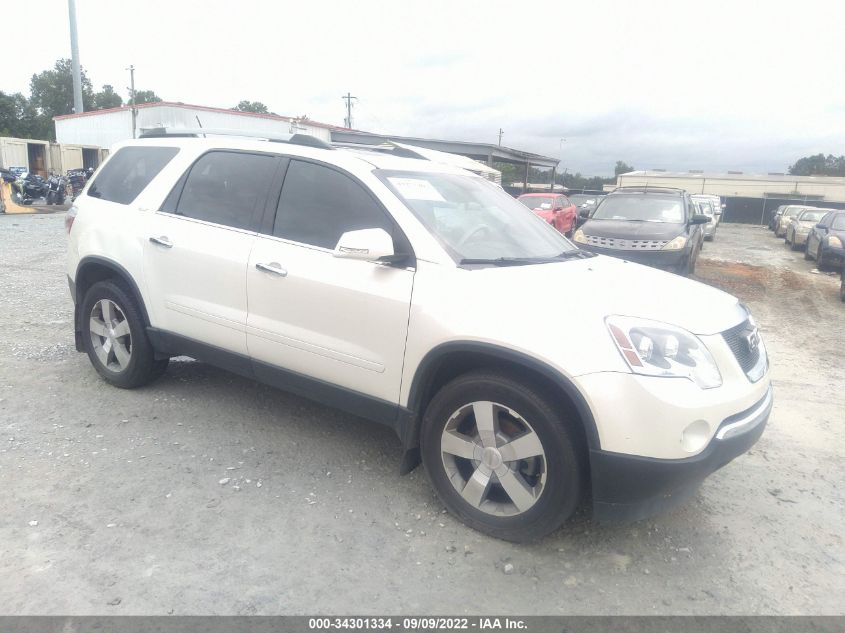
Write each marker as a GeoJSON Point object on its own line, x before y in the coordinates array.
{"type": "Point", "coordinates": [677, 85]}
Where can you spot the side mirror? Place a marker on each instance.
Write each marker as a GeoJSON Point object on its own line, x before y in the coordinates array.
{"type": "Point", "coordinates": [819, 226]}
{"type": "Point", "coordinates": [584, 213]}
{"type": "Point", "coordinates": [370, 245]}
{"type": "Point", "coordinates": [699, 218]}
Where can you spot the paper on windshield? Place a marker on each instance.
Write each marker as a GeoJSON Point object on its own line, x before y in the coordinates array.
{"type": "Point", "coordinates": [416, 189]}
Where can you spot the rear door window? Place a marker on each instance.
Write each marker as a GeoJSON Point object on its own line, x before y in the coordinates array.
{"type": "Point", "coordinates": [228, 188]}
{"type": "Point", "coordinates": [129, 171]}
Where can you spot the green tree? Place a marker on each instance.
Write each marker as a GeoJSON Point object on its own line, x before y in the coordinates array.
{"type": "Point", "coordinates": [819, 165]}
{"type": "Point", "coordinates": [107, 98]}
{"type": "Point", "coordinates": [146, 96]}
{"type": "Point", "coordinates": [251, 106]}
{"type": "Point", "coordinates": [51, 91]}
{"type": "Point", "coordinates": [622, 168]}
{"type": "Point", "coordinates": [18, 117]}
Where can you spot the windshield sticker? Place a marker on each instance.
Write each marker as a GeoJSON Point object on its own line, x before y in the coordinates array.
{"type": "Point", "coordinates": [416, 189]}
{"type": "Point", "coordinates": [545, 205]}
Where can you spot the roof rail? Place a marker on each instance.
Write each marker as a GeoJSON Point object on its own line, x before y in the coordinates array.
{"type": "Point", "coordinates": [177, 132]}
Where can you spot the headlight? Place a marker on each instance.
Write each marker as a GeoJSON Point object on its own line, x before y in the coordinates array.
{"type": "Point", "coordinates": [834, 241]}
{"type": "Point", "coordinates": [677, 244]}
{"type": "Point", "coordinates": [652, 348]}
{"type": "Point", "coordinates": [579, 237]}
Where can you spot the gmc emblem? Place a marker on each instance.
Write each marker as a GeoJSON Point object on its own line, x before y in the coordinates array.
{"type": "Point", "coordinates": [752, 341]}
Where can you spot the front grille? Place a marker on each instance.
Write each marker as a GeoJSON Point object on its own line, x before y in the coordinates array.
{"type": "Point", "coordinates": [639, 245]}
{"type": "Point", "coordinates": [741, 339]}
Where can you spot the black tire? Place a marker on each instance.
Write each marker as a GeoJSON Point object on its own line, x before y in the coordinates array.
{"type": "Point", "coordinates": [564, 458]}
{"type": "Point", "coordinates": [807, 255]}
{"type": "Point", "coordinates": [142, 367]}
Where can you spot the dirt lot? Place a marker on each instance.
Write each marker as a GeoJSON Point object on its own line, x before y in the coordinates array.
{"type": "Point", "coordinates": [205, 493]}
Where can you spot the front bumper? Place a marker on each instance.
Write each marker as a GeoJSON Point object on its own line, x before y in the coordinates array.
{"type": "Point", "coordinates": [630, 487]}
{"type": "Point", "coordinates": [665, 260]}
{"type": "Point", "coordinates": [799, 239]}
{"type": "Point", "coordinates": [710, 229]}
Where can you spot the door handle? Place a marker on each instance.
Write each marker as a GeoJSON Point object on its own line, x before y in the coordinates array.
{"type": "Point", "coordinates": [162, 241]}
{"type": "Point", "coordinates": [273, 268]}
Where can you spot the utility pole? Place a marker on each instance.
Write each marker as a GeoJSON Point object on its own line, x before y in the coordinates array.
{"type": "Point", "coordinates": [501, 131]}
{"type": "Point", "coordinates": [131, 70]}
{"type": "Point", "coordinates": [74, 56]}
{"type": "Point", "coordinates": [347, 122]}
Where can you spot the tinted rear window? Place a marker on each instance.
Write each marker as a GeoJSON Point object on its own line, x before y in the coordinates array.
{"type": "Point", "coordinates": [131, 169]}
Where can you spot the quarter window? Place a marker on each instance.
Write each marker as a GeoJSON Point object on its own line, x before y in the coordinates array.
{"type": "Point", "coordinates": [319, 204]}
{"type": "Point", "coordinates": [227, 188]}
{"type": "Point", "coordinates": [129, 171]}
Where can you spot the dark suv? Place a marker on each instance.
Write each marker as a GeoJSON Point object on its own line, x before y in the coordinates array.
{"type": "Point", "coordinates": [654, 226]}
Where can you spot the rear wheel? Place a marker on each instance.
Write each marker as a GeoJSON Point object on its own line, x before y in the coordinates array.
{"type": "Point", "coordinates": [501, 457]}
{"type": "Point", "coordinates": [115, 337]}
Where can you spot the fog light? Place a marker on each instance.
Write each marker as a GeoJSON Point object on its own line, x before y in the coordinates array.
{"type": "Point", "coordinates": [695, 436]}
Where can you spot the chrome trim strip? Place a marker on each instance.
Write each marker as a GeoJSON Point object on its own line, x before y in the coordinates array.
{"type": "Point", "coordinates": [749, 420]}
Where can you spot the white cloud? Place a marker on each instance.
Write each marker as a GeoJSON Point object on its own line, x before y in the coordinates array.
{"type": "Point", "coordinates": [711, 85]}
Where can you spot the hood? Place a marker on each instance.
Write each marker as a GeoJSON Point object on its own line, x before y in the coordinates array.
{"type": "Point", "coordinates": [633, 229]}
{"type": "Point", "coordinates": [601, 286]}
{"type": "Point", "coordinates": [808, 224]}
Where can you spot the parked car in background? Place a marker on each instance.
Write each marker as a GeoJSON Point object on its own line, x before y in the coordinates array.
{"type": "Point", "coordinates": [583, 201]}
{"type": "Point", "coordinates": [706, 207]}
{"type": "Point", "coordinates": [801, 225]}
{"type": "Point", "coordinates": [785, 218]}
{"type": "Point", "coordinates": [824, 242]}
{"type": "Point", "coordinates": [658, 227]}
{"type": "Point", "coordinates": [555, 209]}
{"type": "Point", "coordinates": [716, 201]}
{"type": "Point", "coordinates": [398, 289]}
{"type": "Point", "coordinates": [776, 216]}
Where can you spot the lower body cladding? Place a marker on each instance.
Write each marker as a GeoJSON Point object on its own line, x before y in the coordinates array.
{"type": "Point", "coordinates": [655, 457]}
{"type": "Point", "coordinates": [673, 261]}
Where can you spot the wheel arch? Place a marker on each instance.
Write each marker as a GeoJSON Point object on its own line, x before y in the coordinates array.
{"type": "Point", "coordinates": [449, 360]}
{"type": "Point", "coordinates": [89, 271]}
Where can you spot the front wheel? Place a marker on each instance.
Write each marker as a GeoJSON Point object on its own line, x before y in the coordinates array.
{"type": "Point", "coordinates": [501, 457]}
{"type": "Point", "coordinates": [115, 338]}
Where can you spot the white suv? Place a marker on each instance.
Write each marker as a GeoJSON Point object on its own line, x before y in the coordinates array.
{"type": "Point", "coordinates": [525, 374]}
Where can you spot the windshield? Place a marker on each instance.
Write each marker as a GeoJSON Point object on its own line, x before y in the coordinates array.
{"type": "Point", "coordinates": [839, 222]}
{"type": "Point", "coordinates": [792, 212]}
{"type": "Point", "coordinates": [705, 207]}
{"type": "Point", "coordinates": [537, 202]}
{"type": "Point", "coordinates": [811, 216]}
{"type": "Point", "coordinates": [579, 199]}
{"type": "Point", "coordinates": [641, 208]}
{"type": "Point", "coordinates": [474, 219]}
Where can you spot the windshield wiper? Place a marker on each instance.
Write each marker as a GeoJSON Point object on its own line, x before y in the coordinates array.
{"type": "Point", "coordinates": [524, 261]}
{"type": "Point", "coordinates": [501, 261]}
{"type": "Point", "coordinates": [576, 253]}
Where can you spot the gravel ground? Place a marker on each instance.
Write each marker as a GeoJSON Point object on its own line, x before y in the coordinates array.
{"type": "Point", "coordinates": [208, 494]}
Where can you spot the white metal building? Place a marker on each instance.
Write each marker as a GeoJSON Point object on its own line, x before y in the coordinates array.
{"type": "Point", "coordinates": [741, 185]}
{"type": "Point", "coordinates": [104, 128]}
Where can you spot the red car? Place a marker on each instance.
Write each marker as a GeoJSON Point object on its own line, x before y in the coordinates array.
{"type": "Point", "coordinates": [555, 209]}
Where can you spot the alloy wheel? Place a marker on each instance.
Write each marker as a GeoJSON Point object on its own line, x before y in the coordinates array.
{"type": "Point", "coordinates": [110, 335]}
{"type": "Point", "coordinates": [493, 458]}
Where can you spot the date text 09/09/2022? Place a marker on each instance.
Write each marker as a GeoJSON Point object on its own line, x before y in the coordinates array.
{"type": "Point", "coordinates": [416, 623]}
